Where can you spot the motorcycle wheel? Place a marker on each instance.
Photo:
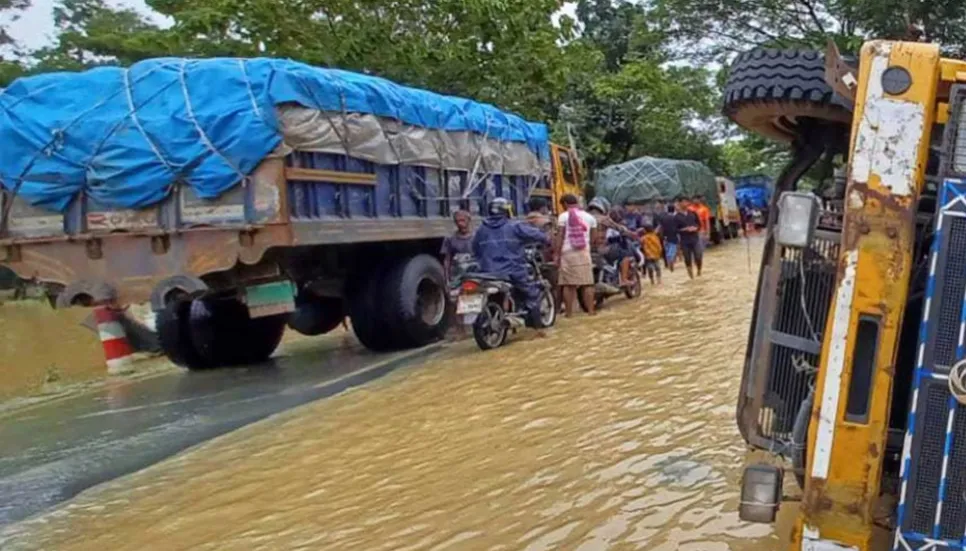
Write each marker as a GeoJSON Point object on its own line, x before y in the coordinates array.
{"type": "Point", "coordinates": [548, 309]}
{"type": "Point", "coordinates": [490, 329]}
{"type": "Point", "coordinates": [634, 290]}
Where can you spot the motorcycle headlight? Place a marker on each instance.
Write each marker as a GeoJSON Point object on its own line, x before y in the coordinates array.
{"type": "Point", "coordinates": [797, 219]}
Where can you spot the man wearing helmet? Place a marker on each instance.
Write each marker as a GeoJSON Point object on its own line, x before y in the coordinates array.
{"type": "Point", "coordinates": [499, 248]}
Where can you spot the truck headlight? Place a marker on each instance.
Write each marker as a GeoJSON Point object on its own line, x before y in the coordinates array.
{"type": "Point", "coordinates": [797, 218]}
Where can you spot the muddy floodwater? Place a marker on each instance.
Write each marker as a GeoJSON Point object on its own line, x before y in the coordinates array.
{"type": "Point", "coordinates": [612, 433]}
{"type": "Point", "coordinates": [40, 345]}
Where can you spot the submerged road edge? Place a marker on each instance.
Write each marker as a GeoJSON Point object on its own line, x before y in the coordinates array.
{"type": "Point", "coordinates": [44, 490]}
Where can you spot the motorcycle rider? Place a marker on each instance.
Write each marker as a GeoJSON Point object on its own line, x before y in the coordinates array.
{"type": "Point", "coordinates": [499, 248]}
{"type": "Point", "coordinates": [615, 236]}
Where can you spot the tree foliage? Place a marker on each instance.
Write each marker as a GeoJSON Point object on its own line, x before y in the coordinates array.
{"type": "Point", "coordinates": [718, 28]}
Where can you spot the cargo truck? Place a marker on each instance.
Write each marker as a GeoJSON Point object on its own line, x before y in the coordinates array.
{"type": "Point", "coordinates": [239, 196]}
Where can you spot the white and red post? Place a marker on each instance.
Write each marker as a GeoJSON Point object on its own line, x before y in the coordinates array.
{"type": "Point", "coordinates": [117, 350]}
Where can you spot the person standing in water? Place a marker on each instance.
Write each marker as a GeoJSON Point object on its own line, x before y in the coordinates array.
{"type": "Point", "coordinates": [457, 247]}
{"type": "Point", "coordinates": [651, 245]}
{"type": "Point", "coordinates": [572, 255]}
{"type": "Point", "coordinates": [669, 234]}
{"type": "Point", "coordinates": [689, 229]}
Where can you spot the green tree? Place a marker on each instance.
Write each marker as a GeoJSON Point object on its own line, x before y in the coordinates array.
{"type": "Point", "coordinates": [90, 33]}
{"type": "Point", "coordinates": [752, 155]}
{"type": "Point", "coordinates": [721, 27]}
{"type": "Point", "coordinates": [605, 78]}
{"type": "Point", "coordinates": [11, 54]}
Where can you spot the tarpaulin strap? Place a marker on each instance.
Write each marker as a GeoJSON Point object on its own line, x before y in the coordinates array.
{"type": "Point", "coordinates": [251, 95]}
{"type": "Point", "coordinates": [137, 123]}
{"type": "Point", "coordinates": [392, 146]}
{"type": "Point", "coordinates": [473, 181]}
{"type": "Point", "coordinates": [121, 123]}
{"type": "Point", "coordinates": [189, 110]}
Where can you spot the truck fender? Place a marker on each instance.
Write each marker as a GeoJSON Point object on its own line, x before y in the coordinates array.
{"type": "Point", "coordinates": [186, 284]}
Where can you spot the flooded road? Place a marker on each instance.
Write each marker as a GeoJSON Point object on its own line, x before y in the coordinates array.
{"type": "Point", "coordinates": [26, 330]}
{"type": "Point", "coordinates": [612, 432]}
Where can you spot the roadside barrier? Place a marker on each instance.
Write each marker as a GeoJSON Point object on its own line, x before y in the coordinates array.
{"type": "Point", "coordinates": [118, 352]}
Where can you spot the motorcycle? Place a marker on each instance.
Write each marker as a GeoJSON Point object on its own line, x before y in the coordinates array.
{"type": "Point", "coordinates": [490, 303]}
{"type": "Point", "coordinates": [607, 277]}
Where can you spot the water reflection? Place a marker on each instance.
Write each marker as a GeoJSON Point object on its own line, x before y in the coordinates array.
{"type": "Point", "coordinates": [614, 432]}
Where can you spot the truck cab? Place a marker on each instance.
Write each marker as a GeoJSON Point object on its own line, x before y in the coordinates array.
{"type": "Point", "coordinates": [853, 375]}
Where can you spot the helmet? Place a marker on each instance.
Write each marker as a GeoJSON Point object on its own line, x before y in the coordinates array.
{"type": "Point", "coordinates": [499, 207]}
{"type": "Point", "coordinates": [599, 203]}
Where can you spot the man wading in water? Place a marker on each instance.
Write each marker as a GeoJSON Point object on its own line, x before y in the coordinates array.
{"type": "Point", "coordinates": [573, 255]}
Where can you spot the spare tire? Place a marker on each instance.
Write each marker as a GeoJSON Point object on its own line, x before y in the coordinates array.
{"type": "Point", "coordinates": [769, 92]}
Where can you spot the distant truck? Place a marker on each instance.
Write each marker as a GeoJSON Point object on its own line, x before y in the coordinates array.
{"type": "Point", "coordinates": [728, 219]}
{"type": "Point", "coordinates": [241, 196]}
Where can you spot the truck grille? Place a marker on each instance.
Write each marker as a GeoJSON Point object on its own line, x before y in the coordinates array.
{"type": "Point", "coordinates": [805, 288]}
{"type": "Point", "coordinates": [933, 504]}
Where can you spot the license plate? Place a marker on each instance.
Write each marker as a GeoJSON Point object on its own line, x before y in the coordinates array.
{"type": "Point", "coordinates": [469, 304]}
{"type": "Point", "coordinates": [270, 299]}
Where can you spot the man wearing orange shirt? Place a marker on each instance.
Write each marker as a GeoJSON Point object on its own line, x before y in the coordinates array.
{"type": "Point", "coordinates": [700, 208]}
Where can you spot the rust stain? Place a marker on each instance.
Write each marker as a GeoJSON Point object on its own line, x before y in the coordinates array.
{"type": "Point", "coordinates": [815, 501]}
{"type": "Point", "coordinates": [873, 450]}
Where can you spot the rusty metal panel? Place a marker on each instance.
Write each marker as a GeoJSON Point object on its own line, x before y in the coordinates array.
{"type": "Point", "coordinates": [99, 219]}
{"type": "Point", "coordinates": [26, 221]}
{"type": "Point", "coordinates": [228, 209]}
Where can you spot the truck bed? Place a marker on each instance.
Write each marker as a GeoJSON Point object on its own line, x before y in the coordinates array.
{"type": "Point", "coordinates": [302, 199]}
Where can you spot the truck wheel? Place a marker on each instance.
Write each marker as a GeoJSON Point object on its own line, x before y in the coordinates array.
{"type": "Point", "coordinates": [366, 313]}
{"type": "Point", "coordinates": [262, 337]}
{"type": "Point", "coordinates": [316, 315]}
{"type": "Point", "coordinates": [225, 335]}
{"type": "Point", "coordinates": [174, 335]}
{"type": "Point", "coordinates": [769, 90]}
{"type": "Point", "coordinates": [216, 330]}
{"type": "Point", "coordinates": [716, 235]}
{"type": "Point", "coordinates": [416, 294]}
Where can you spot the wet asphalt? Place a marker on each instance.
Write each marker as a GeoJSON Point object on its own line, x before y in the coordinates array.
{"type": "Point", "coordinates": [51, 452]}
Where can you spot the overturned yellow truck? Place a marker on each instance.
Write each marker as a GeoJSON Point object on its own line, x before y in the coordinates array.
{"type": "Point", "coordinates": [854, 377]}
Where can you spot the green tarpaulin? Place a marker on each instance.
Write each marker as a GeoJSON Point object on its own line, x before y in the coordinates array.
{"type": "Point", "coordinates": [648, 178]}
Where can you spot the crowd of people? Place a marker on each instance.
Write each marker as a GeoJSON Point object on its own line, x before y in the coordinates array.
{"type": "Point", "coordinates": [643, 237]}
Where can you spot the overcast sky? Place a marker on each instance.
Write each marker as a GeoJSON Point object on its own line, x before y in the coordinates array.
{"type": "Point", "coordinates": [36, 27]}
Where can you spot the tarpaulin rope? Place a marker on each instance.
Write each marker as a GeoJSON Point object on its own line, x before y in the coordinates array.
{"type": "Point", "coordinates": [189, 111]}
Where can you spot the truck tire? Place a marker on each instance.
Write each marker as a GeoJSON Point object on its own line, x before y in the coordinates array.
{"type": "Point", "coordinates": [768, 91]}
{"type": "Point", "coordinates": [262, 337]}
{"type": "Point", "coordinates": [366, 313]}
{"type": "Point", "coordinates": [174, 336]}
{"type": "Point", "coordinates": [416, 297]}
{"type": "Point", "coordinates": [716, 233]}
{"type": "Point", "coordinates": [224, 334]}
{"type": "Point", "coordinates": [316, 315]}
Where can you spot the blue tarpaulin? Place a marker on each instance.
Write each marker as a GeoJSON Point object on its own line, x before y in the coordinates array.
{"type": "Point", "coordinates": [125, 136]}
{"type": "Point", "coordinates": [753, 191]}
